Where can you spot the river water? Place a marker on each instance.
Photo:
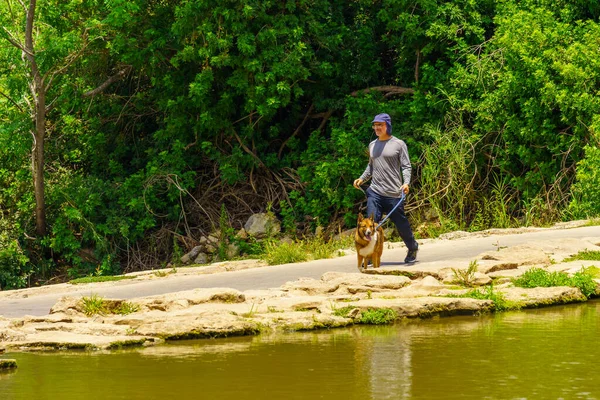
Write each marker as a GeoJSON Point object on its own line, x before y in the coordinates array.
{"type": "Point", "coordinates": [547, 353]}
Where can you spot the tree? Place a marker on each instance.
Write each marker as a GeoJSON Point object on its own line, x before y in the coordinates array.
{"type": "Point", "coordinates": [44, 58]}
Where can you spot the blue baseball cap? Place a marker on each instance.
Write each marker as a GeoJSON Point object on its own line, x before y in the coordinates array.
{"type": "Point", "coordinates": [384, 118]}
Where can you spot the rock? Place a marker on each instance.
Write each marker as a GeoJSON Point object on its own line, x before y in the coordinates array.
{"type": "Point", "coordinates": [191, 255]}
{"type": "Point", "coordinates": [233, 250]}
{"type": "Point", "coordinates": [513, 257]}
{"type": "Point", "coordinates": [202, 258]}
{"type": "Point", "coordinates": [454, 235]}
{"type": "Point", "coordinates": [210, 249]}
{"type": "Point", "coordinates": [428, 281]}
{"type": "Point", "coordinates": [343, 234]}
{"type": "Point", "coordinates": [541, 296]}
{"type": "Point", "coordinates": [310, 286]}
{"type": "Point", "coordinates": [480, 279]}
{"type": "Point", "coordinates": [352, 282]}
{"type": "Point", "coordinates": [242, 234]}
{"type": "Point", "coordinates": [6, 364]}
{"type": "Point", "coordinates": [213, 239]}
{"type": "Point", "coordinates": [262, 225]}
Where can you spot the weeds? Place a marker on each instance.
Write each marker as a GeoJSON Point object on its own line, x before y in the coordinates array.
{"type": "Point", "coordinates": [284, 253]}
{"type": "Point", "coordinates": [465, 277]}
{"type": "Point", "coordinates": [302, 250]}
{"type": "Point", "coordinates": [94, 305]}
{"type": "Point", "coordinates": [538, 277]}
{"type": "Point", "coordinates": [488, 293]}
{"type": "Point", "coordinates": [343, 311]}
{"type": "Point", "coordinates": [379, 316]}
{"type": "Point", "coordinates": [92, 279]}
{"type": "Point", "coordinates": [593, 255]}
{"type": "Point", "coordinates": [252, 312]}
{"type": "Point", "coordinates": [126, 308]}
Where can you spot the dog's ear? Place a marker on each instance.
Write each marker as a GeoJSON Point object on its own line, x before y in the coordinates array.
{"type": "Point", "coordinates": [372, 216]}
{"type": "Point", "coordinates": [360, 217]}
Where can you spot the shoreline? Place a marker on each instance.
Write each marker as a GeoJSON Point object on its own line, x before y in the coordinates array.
{"type": "Point", "coordinates": [337, 299]}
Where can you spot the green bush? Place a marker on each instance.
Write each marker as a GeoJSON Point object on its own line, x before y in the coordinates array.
{"type": "Point", "coordinates": [586, 190]}
{"type": "Point", "coordinates": [14, 264]}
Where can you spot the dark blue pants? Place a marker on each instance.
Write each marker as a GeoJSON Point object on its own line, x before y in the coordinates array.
{"type": "Point", "coordinates": [378, 205]}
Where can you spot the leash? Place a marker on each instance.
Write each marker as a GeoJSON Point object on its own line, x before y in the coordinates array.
{"type": "Point", "coordinates": [402, 198]}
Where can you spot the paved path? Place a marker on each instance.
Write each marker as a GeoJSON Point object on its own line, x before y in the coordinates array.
{"type": "Point", "coordinates": [274, 276]}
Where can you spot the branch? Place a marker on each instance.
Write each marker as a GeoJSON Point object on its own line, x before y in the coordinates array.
{"type": "Point", "coordinates": [296, 131]}
{"type": "Point", "coordinates": [325, 118]}
{"type": "Point", "coordinates": [247, 150]}
{"type": "Point", "coordinates": [12, 40]}
{"type": "Point", "coordinates": [417, 64]}
{"type": "Point", "coordinates": [12, 101]}
{"type": "Point", "coordinates": [389, 90]}
{"type": "Point", "coordinates": [118, 76]}
{"type": "Point", "coordinates": [70, 59]}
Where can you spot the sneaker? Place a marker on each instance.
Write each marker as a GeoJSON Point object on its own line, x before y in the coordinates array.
{"type": "Point", "coordinates": [411, 256]}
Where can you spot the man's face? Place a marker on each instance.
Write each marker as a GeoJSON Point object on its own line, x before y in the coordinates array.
{"type": "Point", "coordinates": [380, 128]}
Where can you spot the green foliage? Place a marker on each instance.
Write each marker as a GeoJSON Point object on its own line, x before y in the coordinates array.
{"type": "Point", "coordinates": [284, 253]}
{"type": "Point", "coordinates": [314, 248]}
{"type": "Point", "coordinates": [227, 235]}
{"type": "Point", "coordinates": [215, 109]}
{"type": "Point", "coordinates": [14, 264]}
{"type": "Point", "coordinates": [94, 305]}
{"type": "Point", "coordinates": [378, 316]}
{"type": "Point", "coordinates": [465, 277]}
{"type": "Point", "coordinates": [538, 277]}
{"type": "Point", "coordinates": [593, 255]}
{"type": "Point", "coordinates": [342, 311]}
{"type": "Point", "coordinates": [93, 279]}
{"type": "Point", "coordinates": [586, 190]}
{"type": "Point", "coordinates": [126, 308]}
{"type": "Point", "coordinates": [488, 293]}
{"type": "Point", "coordinates": [584, 281]}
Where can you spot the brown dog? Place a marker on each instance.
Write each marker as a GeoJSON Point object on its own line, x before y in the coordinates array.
{"type": "Point", "coordinates": [369, 242]}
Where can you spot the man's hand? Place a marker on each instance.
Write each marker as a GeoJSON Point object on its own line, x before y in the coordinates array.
{"type": "Point", "coordinates": [358, 182]}
{"type": "Point", "coordinates": [404, 188]}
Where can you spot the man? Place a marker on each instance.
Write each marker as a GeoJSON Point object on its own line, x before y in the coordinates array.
{"type": "Point", "coordinates": [389, 170]}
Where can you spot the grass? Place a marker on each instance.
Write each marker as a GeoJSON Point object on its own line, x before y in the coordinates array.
{"type": "Point", "coordinates": [380, 316]}
{"type": "Point", "coordinates": [92, 279]}
{"type": "Point", "coordinates": [96, 305]}
{"type": "Point", "coordinates": [488, 293]}
{"type": "Point", "coordinates": [303, 250]}
{"type": "Point", "coordinates": [465, 277]}
{"type": "Point", "coordinates": [538, 277]}
{"type": "Point", "coordinates": [593, 255]}
{"type": "Point", "coordinates": [126, 308]}
{"type": "Point", "coordinates": [375, 316]}
{"type": "Point", "coordinates": [342, 311]}
{"type": "Point", "coordinates": [593, 222]}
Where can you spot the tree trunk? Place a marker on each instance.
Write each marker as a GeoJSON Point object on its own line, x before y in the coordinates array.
{"type": "Point", "coordinates": [37, 155]}
{"type": "Point", "coordinates": [38, 90]}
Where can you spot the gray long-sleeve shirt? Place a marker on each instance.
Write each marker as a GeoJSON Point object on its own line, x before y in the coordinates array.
{"type": "Point", "coordinates": [389, 166]}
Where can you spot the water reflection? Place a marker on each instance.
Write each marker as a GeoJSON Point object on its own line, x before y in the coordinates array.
{"type": "Point", "coordinates": [546, 353]}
